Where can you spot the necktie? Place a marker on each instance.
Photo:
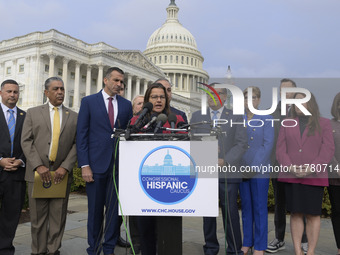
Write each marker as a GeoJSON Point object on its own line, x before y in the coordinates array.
{"type": "Point", "coordinates": [55, 135]}
{"type": "Point", "coordinates": [214, 117]}
{"type": "Point", "coordinates": [111, 113]}
{"type": "Point", "coordinates": [11, 128]}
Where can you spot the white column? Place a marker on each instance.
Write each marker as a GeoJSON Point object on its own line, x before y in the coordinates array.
{"type": "Point", "coordinates": [100, 77]}
{"type": "Point", "coordinates": [65, 71]}
{"type": "Point", "coordinates": [129, 87]}
{"type": "Point", "coordinates": [181, 82]}
{"type": "Point", "coordinates": [38, 83]}
{"type": "Point", "coordinates": [137, 86]}
{"type": "Point", "coordinates": [14, 69]}
{"type": "Point", "coordinates": [188, 83]}
{"type": "Point", "coordinates": [88, 80]}
{"type": "Point", "coordinates": [145, 86]}
{"type": "Point", "coordinates": [51, 66]}
{"type": "Point", "coordinates": [174, 82]}
{"type": "Point", "coordinates": [76, 88]}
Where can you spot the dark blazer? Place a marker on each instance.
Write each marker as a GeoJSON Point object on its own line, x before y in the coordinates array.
{"type": "Point", "coordinates": [234, 142]}
{"type": "Point", "coordinates": [179, 112]}
{"type": "Point", "coordinates": [95, 137]}
{"type": "Point", "coordinates": [5, 144]}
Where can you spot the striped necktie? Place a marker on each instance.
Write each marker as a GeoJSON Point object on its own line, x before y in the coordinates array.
{"type": "Point", "coordinates": [55, 134]}
{"type": "Point", "coordinates": [11, 128]}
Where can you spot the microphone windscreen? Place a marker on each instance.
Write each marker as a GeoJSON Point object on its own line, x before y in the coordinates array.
{"type": "Point", "coordinates": [172, 118]}
{"type": "Point", "coordinates": [148, 106]}
{"type": "Point", "coordinates": [162, 117]}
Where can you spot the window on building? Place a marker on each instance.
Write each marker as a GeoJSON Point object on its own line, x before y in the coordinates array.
{"type": "Point", "coordinates": [94, 81]}
{"type": "Point", "coordinates": [192, 61]}
{"type": "Point", "coordinates": [47, 68]}
{"type": "Point", "coordinates": [21, 68]}
{"type": "Point", "coordinates": [187, 61]}
{"type": "Point", "coordinates": [60, 71]}
{"type": "Point", "coordinates": [171, 59]}
{"type": "Point", "coordinates": [176, 59]}
{"type": "Point", "coordinates": [165, 59]}
{"type": "Point", "coordinates": [9, 70]}
{"type": "Point", "coordinates": [70, 102]}
{"type": "Point", "coordinates": [160, 59]}
{"type": "Point", "coordinates": [83, 78]}
{"type": "Point", "coordinates": [155, 60]}
{"type": "Point", "coordinates": [182, 60]}
{"type": "Point", "coordinates": [73, 75]}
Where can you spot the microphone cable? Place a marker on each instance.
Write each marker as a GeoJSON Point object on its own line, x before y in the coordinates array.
{"type": "Point", "coordinates": [227, 216]}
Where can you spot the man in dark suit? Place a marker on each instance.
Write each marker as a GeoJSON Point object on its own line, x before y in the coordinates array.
{"type": "Point", "coordinates": [166, 83]}
{"type": "Point", "coordinates": [48, 141]}
{"type": "Point", "coordinates": [12, 165]}
{"type": "Point", "coordinates": [231, 148]}
{"type": "Point", "coordinates": [99, 115]}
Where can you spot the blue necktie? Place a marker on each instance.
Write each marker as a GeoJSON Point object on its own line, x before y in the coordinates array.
{"type": "Point", "coordinates": [11, 127]}
{"type": "Point", "coordinates": [214, 117]}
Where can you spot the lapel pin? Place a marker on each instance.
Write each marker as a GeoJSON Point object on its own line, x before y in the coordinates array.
{"type": "Point", "coordinates": [21, 114]}
{"type": "Point", "coordinates": [67, 112]}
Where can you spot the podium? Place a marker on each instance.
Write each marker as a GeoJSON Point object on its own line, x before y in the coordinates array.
{"type": "Point", "coordinates": [168, 178]}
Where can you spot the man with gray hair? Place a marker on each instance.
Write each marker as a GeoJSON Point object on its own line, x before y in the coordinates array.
{"type": "Point", "coordinates": [49, 144]}
{"type": "Point", "coordinates": [166, 83]}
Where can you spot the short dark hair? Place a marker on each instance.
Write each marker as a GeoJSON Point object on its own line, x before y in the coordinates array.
{"type": "Point", "coordinates": [288, 80]}
{"type": "Point", "coordinates": [335, 107]}
{"type": "Point", "coordinates": [158, 86]}
{"type": "Point", "coordinates": [8, 82]}
{"type": "Point", "coordinates": [49, 80]}
{"type": "Point", "coordinates": [111, 69]}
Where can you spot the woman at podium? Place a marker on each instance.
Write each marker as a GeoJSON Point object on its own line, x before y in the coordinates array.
{"type": "Point", "coordinates": [155, 117]}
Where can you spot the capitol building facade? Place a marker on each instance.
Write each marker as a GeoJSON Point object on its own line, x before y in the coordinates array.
{"type": "Point", "coordinates": [171, 52]}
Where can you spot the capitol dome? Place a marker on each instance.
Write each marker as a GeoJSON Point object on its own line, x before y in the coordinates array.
{"type": "Point", "coordinates": [173, 48]}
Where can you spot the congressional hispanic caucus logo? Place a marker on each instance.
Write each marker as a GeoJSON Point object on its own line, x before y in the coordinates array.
{"type": "Point", "coordinates": [167, 174]}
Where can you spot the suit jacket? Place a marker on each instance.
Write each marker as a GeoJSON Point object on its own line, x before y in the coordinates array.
{"type": "Point", "coordinates": [95, 137]}
{"type": "Point", "coordinates": [292, 149]}
{"type": "Point", "coordinates": [36, 138]}
{"type": "Point", "coordinates": [260, 142]}
{"type": "Point", "coordinates": [334, 174]}
{"type": "Point", "coordinates": [5, 144]}
{"type": "Point", "coordinates": [234, 142]}
{"type": "Point", "coordinates": [179, 112]}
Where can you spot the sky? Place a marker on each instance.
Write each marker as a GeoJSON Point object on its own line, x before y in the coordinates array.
{"type": "Point", "coordinates": [262, 38]}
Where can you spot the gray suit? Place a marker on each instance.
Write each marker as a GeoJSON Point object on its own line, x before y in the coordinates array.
{"type": "Point", "coordinates": [232, 147]}
{"type": "Point", "coordinates": [47, 226]}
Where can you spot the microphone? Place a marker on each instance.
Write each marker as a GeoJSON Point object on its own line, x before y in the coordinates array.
{"type": "Point", "coordinates": [161, 119]}
{"type": "Point", "coordinates": [153, 119]}
{"type": "Point", "coordinates": [172, 120]}
{"type": "Point", "coordinates": [146, 109]}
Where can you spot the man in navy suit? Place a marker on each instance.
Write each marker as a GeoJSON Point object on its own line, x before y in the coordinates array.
{"type": "Point", "coordinates": [12, 166]}
{"type": "Point", "coordinates": [98, 117]}
{"type": "Point", "coordinates": [231, 149]}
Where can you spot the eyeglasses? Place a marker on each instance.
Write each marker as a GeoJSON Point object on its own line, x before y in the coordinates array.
{"type": "Point", "coordinates": [154, 97]}
{"type": "Point", "coordinates": [253, 97]}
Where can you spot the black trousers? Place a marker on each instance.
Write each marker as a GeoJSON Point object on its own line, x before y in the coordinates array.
{"type": "Point", "coordinates": [334, 197]}
{"type": "Point", "coordinates": [12, 197]}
